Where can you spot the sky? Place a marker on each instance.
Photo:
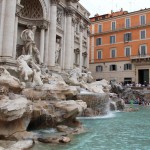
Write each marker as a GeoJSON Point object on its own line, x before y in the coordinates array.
{"type": "Point", "coordinates": [105, 6]}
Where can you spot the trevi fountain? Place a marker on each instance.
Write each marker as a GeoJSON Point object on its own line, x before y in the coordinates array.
{"type": "Point", "coordinates": [51, 107]}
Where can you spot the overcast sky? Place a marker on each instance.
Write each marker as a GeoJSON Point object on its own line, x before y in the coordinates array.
{"type": "Point", "coordinates": [105, 6]}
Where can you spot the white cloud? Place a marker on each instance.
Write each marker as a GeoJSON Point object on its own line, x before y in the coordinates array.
{"type": "Point", "coordinates": [105, 6]}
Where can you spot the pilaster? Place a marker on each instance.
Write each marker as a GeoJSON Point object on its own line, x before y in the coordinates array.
{"type": "Point", "coordinates": [42, 44]}
{"type": "Point", "coordinates": [8, 32]}
{"type": "Point", "coordinates": [52, 31]}
{"type": "Point", "coordinates": [68, 43]}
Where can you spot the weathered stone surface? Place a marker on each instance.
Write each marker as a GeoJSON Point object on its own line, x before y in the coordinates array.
{"type": "Point", "coordinates": [14, 109]}
{"type": "Point", "coordinates": [56, 139]}
{"type": "Point", "coordinates": [99, 86]}
{"type": "Point", "coordinates": [21, 145]}
{"type": "Point", "coordinates": [54, 90]}
{"type": "Point", "coordinates": [69, 130]}
{"type": "Point", "coordinates": [120, 104]}
{"type": "Point", "coordinates": [1, 148]}
{"type": "Point", "coordinates": [89, 112]}
{"type": "Point", "coordinates": [14, 116]}
{"type": "Point", "coordinates": [72, 107]}
{"type": "Point", "coordinates": [9, 81]}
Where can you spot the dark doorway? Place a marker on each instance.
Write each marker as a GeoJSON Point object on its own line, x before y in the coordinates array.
{"type": "Point", "coordinates": [143, 76]}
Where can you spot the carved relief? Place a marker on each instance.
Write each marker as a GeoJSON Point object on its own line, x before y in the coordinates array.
{"type": "Point", "coordinates": [69, 11]}
{"type": "Point", "coordinates": [59, 16]}
{"type": "Point", "coordinates": [58, 50]}
{"type": "Point", "coordinates": [55, 2]}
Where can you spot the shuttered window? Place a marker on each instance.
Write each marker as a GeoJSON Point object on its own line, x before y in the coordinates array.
{"type": "Point", "coordinates": [99, 41]}
{"type": "Point", "coordinates": [127, 37]}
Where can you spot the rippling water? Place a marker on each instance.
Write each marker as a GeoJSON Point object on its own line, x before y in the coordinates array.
{"type": "Point", "coordinates": [116, 131]}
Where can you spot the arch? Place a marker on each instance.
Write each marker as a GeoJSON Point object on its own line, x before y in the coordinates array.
{"type": "Point", "coordinates": [34, 9]}
{"type": "Point", "coordinates": [45, 13]}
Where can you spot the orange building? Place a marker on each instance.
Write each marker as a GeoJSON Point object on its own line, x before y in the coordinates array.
{"type": "Point", "coordinates": [120, 46]}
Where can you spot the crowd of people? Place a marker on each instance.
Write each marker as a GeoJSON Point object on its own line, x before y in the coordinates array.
{"type": "Point", "coordinates": [133, 84]}
{"type": "Point", "coordinates": [139, 101]}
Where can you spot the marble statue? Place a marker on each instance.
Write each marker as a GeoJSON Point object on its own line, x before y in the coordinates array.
{"type": "Point", "coordinates": [23, 68]}
{"type": "Point", "coordinates": [75, 75]}
{"type": "Point", "coordinates": [29, 73]}
{"type": "Point", "coordinates": [30, 47]}
{"type": "Point", "coordinates": [57, 51]}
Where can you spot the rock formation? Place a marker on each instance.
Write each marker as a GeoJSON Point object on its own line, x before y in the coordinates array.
{"type": "Point", "coordinates": [40, 98]}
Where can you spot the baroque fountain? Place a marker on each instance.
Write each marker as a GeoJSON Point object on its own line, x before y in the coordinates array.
{"type": "Point", "coordinates": [36, 99]}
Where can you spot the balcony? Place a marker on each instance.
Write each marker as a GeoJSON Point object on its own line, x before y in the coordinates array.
{"type": "Point", "coordinates": [138, 59]}
{"type": "Point", "coordinates": [121, 27]}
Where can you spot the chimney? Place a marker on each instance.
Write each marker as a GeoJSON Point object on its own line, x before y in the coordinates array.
{"type": "Point", "coordinates": [111, 11]}
{"type": "Point", "coordinates": [121, 9]}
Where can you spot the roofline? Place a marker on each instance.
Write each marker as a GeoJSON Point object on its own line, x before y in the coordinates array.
{"type": "Point", "coordinates": [141, 10]}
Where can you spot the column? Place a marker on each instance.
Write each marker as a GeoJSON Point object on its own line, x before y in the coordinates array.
{"type": "Point", "coordinates": [8, 32]}
{"type": "Point", "coordinates": [72, 46]}
{"type": "Point", "coordinates": [18, 9]}
{"type": "Point", "coordinates": [42, 39]}
{"type": "Point", "coordinates": [2, 16]}
{"type": "Point", "coordinates": [88, 46]}
{"type": "Point", "coordinates": [81, 46]}
{"type": "Point", "coordinates": [52, 31]}
{"type": "Point", "coordinates": [15, 37]}
{"type": "Point", "coordinates": [46, 46]}
{"type": "Point", "coordinates": [68, 42]}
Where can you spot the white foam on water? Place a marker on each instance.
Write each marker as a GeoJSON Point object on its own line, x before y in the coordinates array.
{"type": "Point", "coordinates": [109, 115]}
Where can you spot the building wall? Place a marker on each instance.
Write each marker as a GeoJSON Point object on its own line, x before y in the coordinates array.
{"type": "Point", "coordinates": [71, 14]}
{"type": "Point", "coordinates": [118, 75]}
{"type": "Point", "coordinates": [120, 44]}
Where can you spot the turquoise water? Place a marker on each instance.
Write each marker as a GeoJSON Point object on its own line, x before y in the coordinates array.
{"type": "Point", "coordinates": [117, 131]}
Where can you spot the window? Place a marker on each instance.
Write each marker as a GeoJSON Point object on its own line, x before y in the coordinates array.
{"type": "Point", "coordinates": [127, 22]}
{"type": "Point", "coordinates": [113, 25]}
{"type": "Point", "coordinates": [142, 34]}
{"type": "Point", "coordinates": [142, 50]}
{"type": "Point", "coordinates": [99, 68]}
{"type": "Point", "coordinates": [99, 28]}
{"type": "Point", "coordinates": [99, 41]}
{"type": "Point", "coordinates": [99, 54]}
{"type": "Point", "coordinates": [113, 67]}
{"type": "Point", "coordinates": [127, 80]}
{"type": "Point", "coordinates": [127, 51]}
{"type": "Point", "coordinates": [142, 20]}
{"type": "Point", "coordinates": [127, 37]}
{"type": "Point", "coordinates": [127, 66]}
{"type": "Point", "coordinates": [112, 39]}
{"type": "Point", "coordinates": [113, 53]}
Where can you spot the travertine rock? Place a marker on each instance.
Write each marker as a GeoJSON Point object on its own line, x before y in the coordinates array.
{"type": "Point", "coordinates": [15, 116]}
{"type": "Point", "coordinates": [9, 81]}
{"type": "Point", "coordinates": [21, 145]}
{"type": "Point", "coordinates": [72, 106]}
{"type": "Point", "coordinates": [56, 89]}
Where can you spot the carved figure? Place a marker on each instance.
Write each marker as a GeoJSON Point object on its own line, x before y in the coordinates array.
{"type": "Point", "coordinates": [59, 16]}
{"type": "Point", "coordinates": [30, 47]}
{"type": "Point", "coordinates": [89, 77]}
{"type": "Point", "coordinates": [25, 70]}
{"type": "Point", "coordinates": [57, 51]}
{"type": "Point", "coordinates": [75, 76]}
{"type": "Point", "coordinates": [29, 73]}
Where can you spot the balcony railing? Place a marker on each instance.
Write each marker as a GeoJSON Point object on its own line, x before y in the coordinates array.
{"type": "Point", "coordinates": [122, 27]}
{"type": "Point", "coordinates": [140, 57]}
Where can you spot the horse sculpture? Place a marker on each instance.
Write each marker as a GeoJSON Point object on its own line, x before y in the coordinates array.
{"type": "Point", "coordinates": [25, 70]}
